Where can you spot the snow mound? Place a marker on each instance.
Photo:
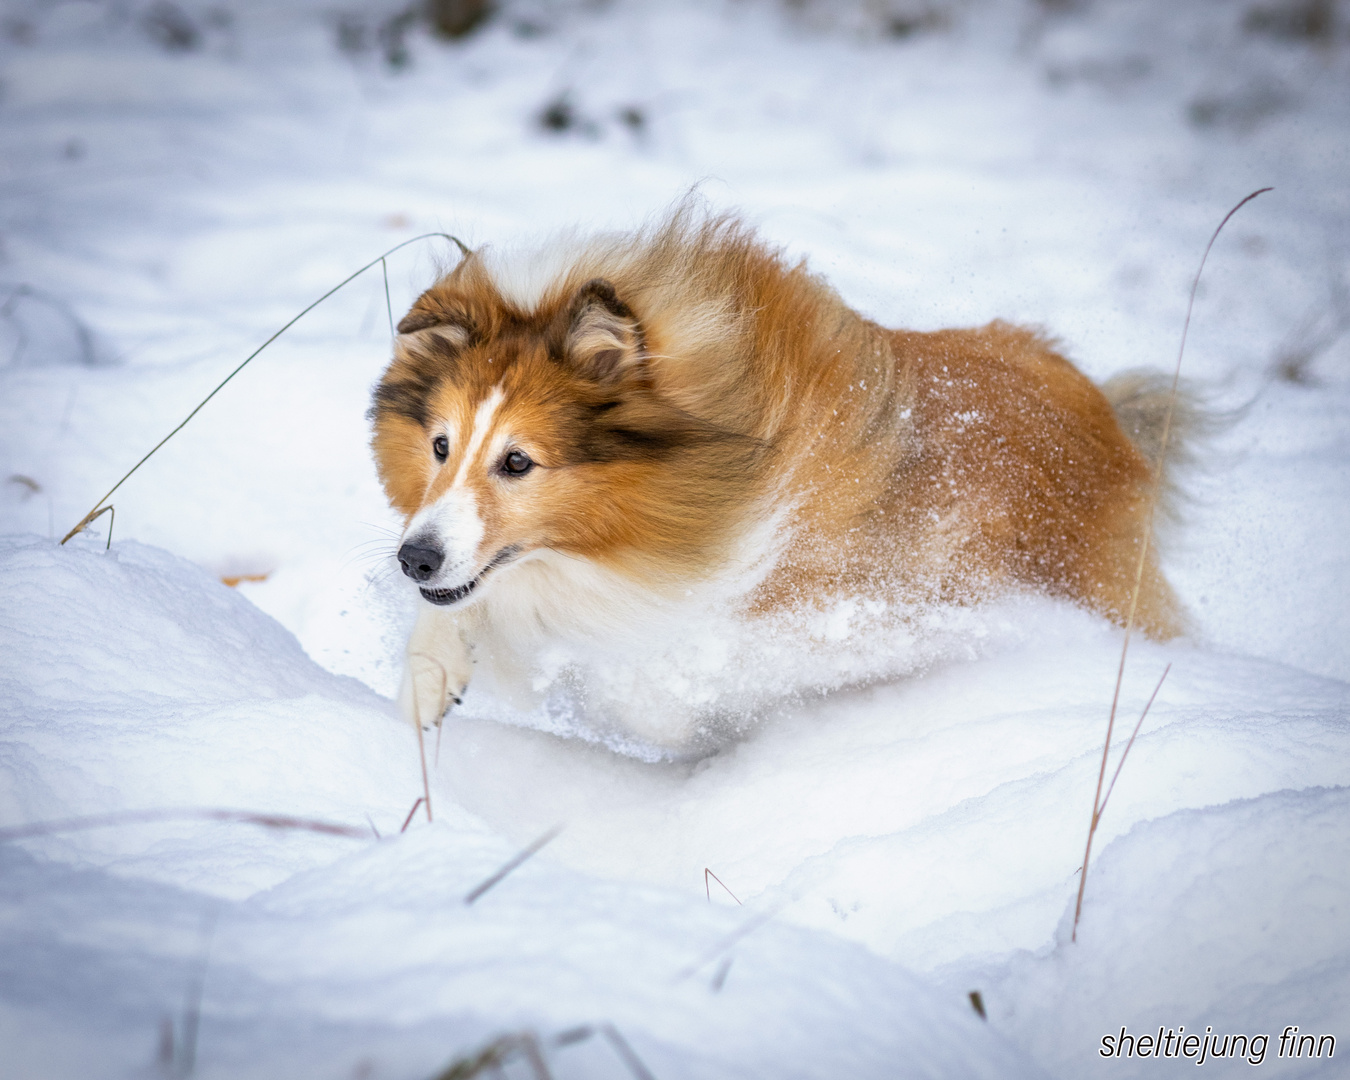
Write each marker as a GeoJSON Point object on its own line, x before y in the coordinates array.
{"type": "Point", "coordinates": [136, 681]}
{"type": "Point", "coordinates": [1226, 920]}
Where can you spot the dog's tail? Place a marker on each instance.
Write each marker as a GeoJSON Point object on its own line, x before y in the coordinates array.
{"type": "Point", "coordinates": [1141, 400]}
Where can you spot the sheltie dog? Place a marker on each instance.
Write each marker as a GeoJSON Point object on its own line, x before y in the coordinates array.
{"type": "Point", "coordinates": [595, 450]}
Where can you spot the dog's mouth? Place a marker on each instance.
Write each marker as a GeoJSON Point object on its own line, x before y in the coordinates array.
{"type": "Point", "coordinates": [446, 597]}
{"type": "Point", "coordinates": [450, 596]}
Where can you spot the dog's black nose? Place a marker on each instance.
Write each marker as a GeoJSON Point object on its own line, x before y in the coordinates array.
{"type": "Point", "coordinates": [419, 563]}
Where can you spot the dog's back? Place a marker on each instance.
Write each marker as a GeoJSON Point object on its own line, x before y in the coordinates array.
{"type": "Point", "coordinates": [1030, 458]}
{"type": "Point", "coordinates": [926, 466]}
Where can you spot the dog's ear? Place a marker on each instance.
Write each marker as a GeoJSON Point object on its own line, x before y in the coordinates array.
{"type": "Point", "coordinates": [453, 327]}
{"type": "Point", "coordinates": [418, 319]}
{"type": "Point", "coordinates": [604, 338]}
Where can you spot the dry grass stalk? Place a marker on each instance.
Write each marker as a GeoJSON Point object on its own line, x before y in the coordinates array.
{"type": "Point", "coordinates": [1097, 801]}
{"type": "Point", "coordinates": [514, 863]}
{"type": "Point", "coordinates": [503, 1049]}
{"type": "Point", "coordinates": [111, 511]}
{"type": "Point", "coordinates": [422, 745]}
{"type": "Point", "coordinates": [496, 1054]}
{"type": "Point", "coordinates": [1126, 753]}
{"type": "Point", "coordinates": [748, 927]}
{"type": "Point", "coordinates": [422, 753]}
{"type": "Point", "coordinates": [708, 892]}
{"type": "Point", "coordinates": [100, 507]}
{"type": "Point", "coordinates": [408, 820]}
{"type": "Point", "coordinates": [626, 1052]}
{"type": "Point", "coordinates": [143, 817]}
{"type": "Point", "coordinates": [178, 1050]}
{"type": "Point", "coordinates": [720, 975]}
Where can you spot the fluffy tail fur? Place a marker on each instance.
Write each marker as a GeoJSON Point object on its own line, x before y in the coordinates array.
{"type": "Point", "coordinates": [1140, 399]}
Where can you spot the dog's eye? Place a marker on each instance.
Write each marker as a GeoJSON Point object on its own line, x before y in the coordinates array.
{"type": "Point", "coordinates": [517, 463]}
{"type": "Point", "coordinates": [440, 446]}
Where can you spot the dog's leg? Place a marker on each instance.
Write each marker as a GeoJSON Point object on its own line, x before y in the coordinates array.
{"type": "Point", "coordinates": [437, 668]}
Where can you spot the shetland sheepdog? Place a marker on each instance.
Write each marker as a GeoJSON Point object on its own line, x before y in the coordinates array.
{"type": "Point", "coordinates": [629, 434]}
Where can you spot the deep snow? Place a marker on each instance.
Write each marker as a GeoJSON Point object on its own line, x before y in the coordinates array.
{"type": "Point", "coordinates": [896, 847]}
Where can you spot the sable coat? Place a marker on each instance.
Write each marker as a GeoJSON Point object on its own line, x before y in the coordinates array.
{"type": "Point", "coordinates": [680, 412]}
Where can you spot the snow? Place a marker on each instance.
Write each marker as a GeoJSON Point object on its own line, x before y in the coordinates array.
{"type": "Point", "coordinates": [896, 845]}
{"type": "Point", "coordinates": [132, 678]}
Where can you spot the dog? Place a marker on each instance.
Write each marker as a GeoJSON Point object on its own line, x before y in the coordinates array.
{"type": "Point", "coordinates": [591, 446]}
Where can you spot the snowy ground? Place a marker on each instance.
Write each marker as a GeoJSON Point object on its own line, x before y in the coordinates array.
{"type": "Point", "coordinates": [176, 186]}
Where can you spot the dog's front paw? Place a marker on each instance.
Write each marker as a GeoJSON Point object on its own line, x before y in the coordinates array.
{"type": "Point", "coordinates": [428, 690]}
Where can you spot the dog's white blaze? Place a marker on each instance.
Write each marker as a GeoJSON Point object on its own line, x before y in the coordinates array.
{"type": "Point", "coordinates": [482, 424]}
{"type": "Point", "coordinates": [453, 522]}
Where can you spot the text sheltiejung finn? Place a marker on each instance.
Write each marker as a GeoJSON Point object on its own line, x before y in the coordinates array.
{"type": "Point", "coordinates": [1179, 1043]}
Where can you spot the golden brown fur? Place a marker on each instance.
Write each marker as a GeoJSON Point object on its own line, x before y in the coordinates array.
{"type": "Point", "coordinates": [681, 390]}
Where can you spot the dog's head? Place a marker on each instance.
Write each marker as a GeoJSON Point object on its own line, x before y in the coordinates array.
{"type": "Point", "coordinates": [500, 431]}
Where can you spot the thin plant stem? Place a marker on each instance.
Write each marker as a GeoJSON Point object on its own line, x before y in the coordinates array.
{"type": "Point", "coordinates": [514, 863]}
{"type": "Point", "coordinates": [748, 927]}
{"type": "Point", "coordinates": [186, 1061]}
{"type": "Point", "coordinates": [1143, 555]}
{"type": "Point", "coordinates": [388, 304]}
{"type": "Point", "coordinates": [408, 820]}
{"type": "Point", "coordinates": [1126, 753]}
{"type": "Point", "coordinates": [84, 521]}
{"type": "Point", "coordinates": [708, 891]}
{"type": "Point", "coordinates": [422, 753]}
{"type": "Point", "coordinates": [145, 817]}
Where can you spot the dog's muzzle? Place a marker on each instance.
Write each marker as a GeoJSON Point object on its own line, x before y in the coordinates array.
{"type": "Point", "coordinates": [414, 569]}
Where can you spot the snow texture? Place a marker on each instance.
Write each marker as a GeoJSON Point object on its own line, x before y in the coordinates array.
{"type": "Point", "coordinates": [179, 180]}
